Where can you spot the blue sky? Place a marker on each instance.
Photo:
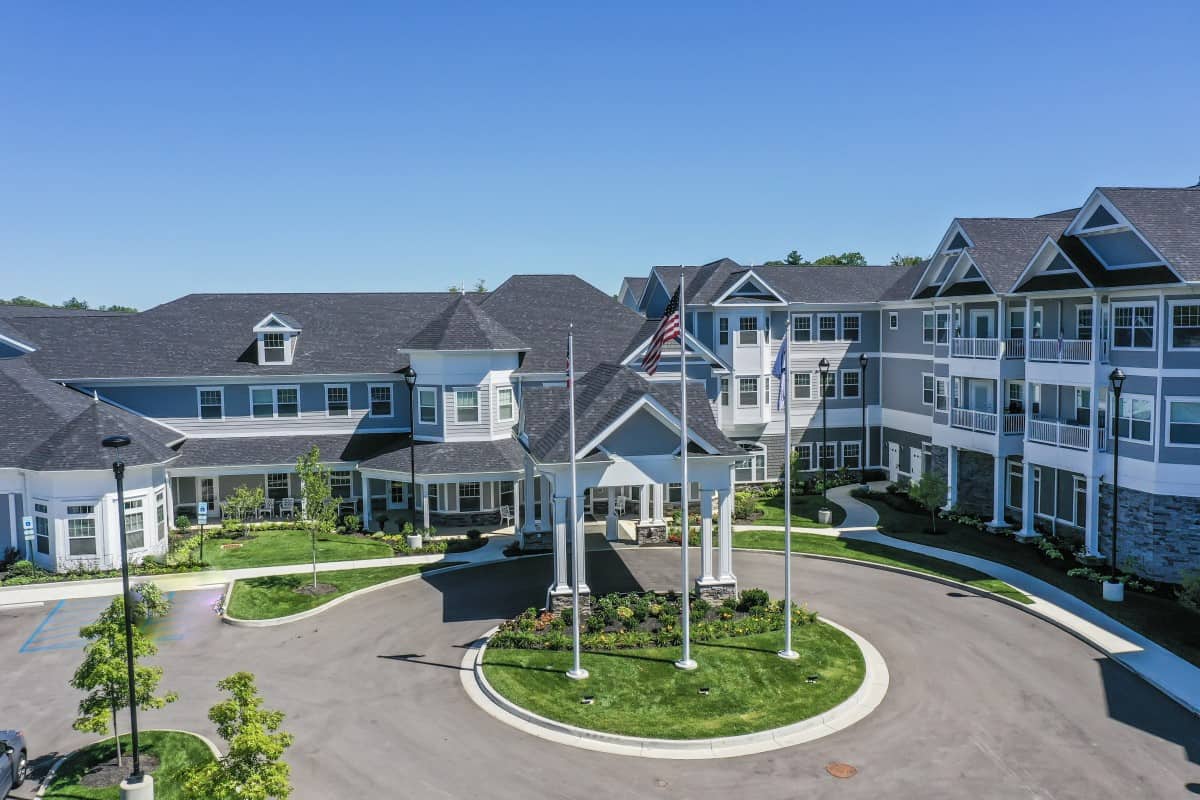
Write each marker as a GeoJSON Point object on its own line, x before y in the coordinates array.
{"type": "Point", "coordinates": [360, 146]}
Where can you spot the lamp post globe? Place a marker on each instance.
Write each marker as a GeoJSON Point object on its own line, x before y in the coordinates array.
{"type": "Point", "coordinates": [862, 391]}
{"type": "Point", "coordinates": [1114, 590]}
{"type": "Point", "coordinates": [823, 366]}
{"type": "Point", "coordinates": [410, 379]}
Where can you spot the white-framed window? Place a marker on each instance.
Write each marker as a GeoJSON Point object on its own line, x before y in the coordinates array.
{"type": "Point", "coordinates": [160, 514]}
{"type": "Point", "coordinates": [505, 408]}
{"type": "Point", "coordinates": [397, 493]}
{"type": "Point", "coordinates": [1133, 326]}
{"type": "Point", "coordinates": [830, 385]}
{"type": "Point", "coordinates": [927, 327]}
{"type": "Point", "coordinates": [81, 529]}
{"type": "Point", "coordinates": [274, 348]}
{"type": "Point", "coordinates": [927, 389]}
{"type": "Point", "coordinates": [1185, 325]}
{"type": "Point", "coordinates": [1016, 323]}
{"type": "Point", "coordinates": [341, 483]}
{"type": "Point", "coordinates": [943, 327]}
{"type": "Point", "coordinates": [723, 330]}
{"type": "Point", "coordinates": [466, 405]}
{"type": "Point", "coordinates": [381, 399]}
{"type": "Point", "coordinates": [337, 400]}
{"type": "Point", "coordinates": [1038, 330]}
{"type": "Point", "coordinates": [802, 328]}
{"type": "Point", "coordinates": [1083, 322]}
{"type": "Point", "coordinates": [851, 327]}
{"type": "Point", "coordinates": [1136, 421]}
{"type": "Point", "coordinates": [851, 452]}
{"type": "Point", "coordinates": [893, 320]}
{"type": "Point", "coordinates": [211, 401]}
{"type": "Point", "coordinates": [1183, 421]}
{"type": "Point", "coordinates": [752, 468]}
{"type": "Point", "coordinates": [827, 327]}
{"type": "Point", "coordinates": [41, 527]}
{"type": "Point", "coordinates": [747, 330]}
{"type": "Point", "coordinates": [427, 405]}
{"type": "Point", "coordinates": [267, 402]}
{"type": "Point", "coordinates": [206, 491]}
{"type": "Point", "coordinates": [940, 399]}
{"type": "Point", "coordinates": [135, 524]}
{"type": "Point", "coordinates": [828, 455]}
{"type": "Point", "coordinates": [1080, 504]}
{"type": "Point", "coordinates": [850, 385]}
{"type": "Point", "coordinates": [801, 385]}
{"type": "Point", "coordinates": [724, 383]}
{"type": "Point", "coordinates": [1083, 405]}
{"type": "Point", "coordinates": [747, 392]}
{"type": "Point", "coordinates": [1016, 482]}
{"type": "Point", "coordinates": [804, 457]}
{"type": "Point", "coordinates": [470, 496]}
{"type": "Point", "coordinates": [277, 485]}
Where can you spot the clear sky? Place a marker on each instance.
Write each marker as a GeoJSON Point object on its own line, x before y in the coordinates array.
{"type": "Point", "coordinates": [147, 151]}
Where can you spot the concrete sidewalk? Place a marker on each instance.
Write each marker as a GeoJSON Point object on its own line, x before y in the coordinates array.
{"type": "Point", "coordinates": [1171, 674]}
{"type": "Point", "coordinates": [37, 593]}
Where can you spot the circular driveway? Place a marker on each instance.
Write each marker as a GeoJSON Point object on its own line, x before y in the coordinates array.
{"type": "Point", "coordinates": [985, 700]}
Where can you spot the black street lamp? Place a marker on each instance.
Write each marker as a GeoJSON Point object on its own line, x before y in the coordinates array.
{"type": "Point", "coordinates": [118, 468]}
{"type": "Point", "coordinates": [410, 378]}
{"type": "Point", "coordinates": [862, 390]}
{"type": "Point", "coordinates": [823, 365]}
{"type": "Point", "coordinates": [1116, 379]}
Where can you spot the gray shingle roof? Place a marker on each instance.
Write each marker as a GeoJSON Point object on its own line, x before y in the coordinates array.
{"type": "Point", "coordinates": [450, 458]}
{"type": "Point", "coordinates": [282, 450]}
{"type": "Point", "coordinates": [1003, 246]}
{"type": "Point", "coordinates": [463, 325]}
{"type": "Point", "coordinates": [11, 333]}
{"type": "Point", "coordinates": [636, 286]}
{"type": "Point", "coordinates": [1169, 218]}
{"type": "Point", "coordinates": [795, 284]}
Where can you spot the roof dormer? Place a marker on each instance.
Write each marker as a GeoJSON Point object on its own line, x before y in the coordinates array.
{"type": "Point", "coordinates": [277, 335]}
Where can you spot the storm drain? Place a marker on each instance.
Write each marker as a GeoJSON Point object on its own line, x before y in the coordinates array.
{"type": "Point", "coordinates": [839, 770]}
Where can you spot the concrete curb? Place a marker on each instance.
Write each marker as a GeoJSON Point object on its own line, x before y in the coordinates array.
{"type": "Point", "coordinates": [865, 699]}
{"type": "Point", "coordinates": [53, 771]}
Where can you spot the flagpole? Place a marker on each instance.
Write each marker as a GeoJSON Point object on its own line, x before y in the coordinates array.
{"type": "Point", "coordinates": [685, 661]}
{"type": "Point", "coordinates": [576, 672]}
{"type": "Point", "coordinates": [785, 394]}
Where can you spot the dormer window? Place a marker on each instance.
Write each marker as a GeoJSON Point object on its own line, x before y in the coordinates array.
{"type": "Point", "coordinates": [274, 348]}
{"type": "Point", "coordinates": [277, 335]}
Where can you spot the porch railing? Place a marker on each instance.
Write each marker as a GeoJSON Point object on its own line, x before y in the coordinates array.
{"type": "Point", "coordinates": [1061, 434]}
{"type": "Point", "coordinates": [974, 348]}
{"type": "Point", "coordinates": [971, 420]}
{"type": "Point", "coordinates": [1014, 348]}
{"type": "Point", "coordinates": [1014, 424]}
{"type": "Point", "coordinates": [1065, 351]}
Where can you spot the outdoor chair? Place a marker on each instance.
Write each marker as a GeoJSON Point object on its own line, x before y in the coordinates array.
{"type": "Point", "coordinates": [506, 515]}
{"type": "Point", "coordinates": [287, 507]}
{"type": "Point", "coordinates": [620, 506]}
{"type": "Point", "coordinates": [266, 510]}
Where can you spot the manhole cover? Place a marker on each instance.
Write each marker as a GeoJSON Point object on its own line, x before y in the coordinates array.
{"type": "Point", "coordinates": [840, 770]}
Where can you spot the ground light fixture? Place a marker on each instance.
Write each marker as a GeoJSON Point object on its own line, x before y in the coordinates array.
{"type": "Point", "coordinates": [823, 365]}
{"type": "Point", "coordinates": [1114, 590]}
{"type": "Point", "coordinates": [862, 392]}
{"type": "Point", "coordinates": [136, 778]}
{"type": "Point", "coordinates": [410, 379]}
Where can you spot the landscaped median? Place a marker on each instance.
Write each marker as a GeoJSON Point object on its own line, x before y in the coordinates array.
{"type": "Point", "coordinates": [93, 773]}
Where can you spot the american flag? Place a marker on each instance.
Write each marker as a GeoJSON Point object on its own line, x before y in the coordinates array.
{"type": "Point", "coordinates": [668, 329]}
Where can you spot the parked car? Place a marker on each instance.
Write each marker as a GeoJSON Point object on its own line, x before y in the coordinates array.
{"type": "Point", "coordinates": [14, 758]}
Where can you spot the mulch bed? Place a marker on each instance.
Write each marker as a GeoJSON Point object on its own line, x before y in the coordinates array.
{"type": "Point", "coordinates": [111, 774]}
{"type": "Point", "coordinates": [316, 591]}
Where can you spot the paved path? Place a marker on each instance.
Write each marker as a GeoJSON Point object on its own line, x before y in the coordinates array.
{"type": "Point", "coordinates": [986, 701]}
{"type": "Point", "coordinates": [1162, 668]}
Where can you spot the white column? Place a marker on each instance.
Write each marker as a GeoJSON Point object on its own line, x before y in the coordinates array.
{"type": "Point", "coordinates": [580, 571]}
{"type": "Point", "coordinates": [951, 477]}
{"type": "Point", "coordinates": [998, 466]}
{"type": "Point", "coordinates": [660, 494]}
{"type": "Point", "coordinates": [725, 534]}
{"type": "Point", "coordinates": [1091, 530]}
{"type": "Point", "coordinates": [610, 522]}
{"type": "Point", "coordinates": [425, 505]}
{"type": "Point", "coordinates": [530, 498]}
{"type": "Point", "coordinates": [516, 507]}
{"type": "Point", "coordinates": [706, 536]}
{"type": "Point", "coordinates": [644, 504]}
{"type": "Point", "coordinates": [366, 495]}
{"type": "Point", "coordinates": [560, 546]}
{"type": "Point", "coordinates": [1027, 503]}
{"type": "Point", "coordinates": [170, 499]}
{"type": "Point", "coordinates": [543, 488]}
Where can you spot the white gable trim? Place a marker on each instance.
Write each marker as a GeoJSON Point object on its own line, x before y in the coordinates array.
{"type": "Point", "coordinates": [273, 324]}
{"type": "Point", "coordinates": [658, 410]}
{"type": "Point", "coordinates": [750, 273]}
{"type": "Point", "coordinates": [1096, 199]}
{"type": "Point", "coordinates": [694, 345]}
{"type": "Point", "coordinates": [1037, 265]}
{"type": "Point", "coordinates": [17, 344]}
{"type": "Point", "coordinates": [935, 260]}
{"type": "Point", "coordinates": [965, 262]}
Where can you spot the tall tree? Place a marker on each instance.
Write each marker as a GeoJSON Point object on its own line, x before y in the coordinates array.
{"type": "Point", "coordinates": [850, 259]}
{"type": "Point", "coordinates": [252, 767]}
{"type": "Point", "coordinates": [792, 259]}
{"type": "Point", "coordinates": [930, 491]}
{"type": "Point", "coordinates": [905, 261]}
{"type": "Point", "coordinates": [320, 506]}
{"type": "Point", "coordinates": [22, 300]}
{"type": "Point", "coordinates": [75, 303]}
{"type": "Point", "coordinates": [103, 673]}
{"type": "Point", "coordinates": [480, 286]}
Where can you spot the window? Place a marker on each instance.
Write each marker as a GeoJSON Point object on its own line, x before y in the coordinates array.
{"type": "Point", "coordinates": [81, 530]}
{"type": "Point", "coordinates": [206, 491]}
{"type": "Point", "coordinates": [340, 484]}
{"type": "Point", "coordinates": [1136, 418]}
{"type": "Point", "coordinates": [427, 405]}
{"type": "Point", "coordinates": [381, 399]}
{"type": "Point", "coordinates": [939, 400]}
{"type": "Point", "coordinates": [827, 327]}
{"type": "Point", "coordinates": [752, 468]}
{"type": "Point", "coordinates": [504, 404]}
{"type": "Point", "coordinates": [850, 455]}
{"type": "Point", "coordinates": [804, 457]}
{"type": "Point", "coordinates": [135, 524]}
{"type": "Point", "coordinates": [1016, 481]}
{"type": "Point", "coordinates": [277, 485]}
{"type": "Point", "coordinates": [274, 401]}
{"type": "Point", "coordinates": [396, 493]}
{"type": "Point", "coordinates": [41, 527]}
{"type": "Point", "coordinates": [274, 351]}
{"type": "Point", "coordinates": [747, 392]}
{"type": "Point", "coordinates": [723, 330]}
{"type": "Point", "coordinates": [212, 403]}
{"type": "Point", "coordinates": [747, 330]}
{"type": "Point", "coordinates": [1185, 325]}
{"type": "Point", "coordinates": [893, 320]}
{"type": "Point", "coordinates": [927, 327]}
{"type": "Point", "coordinates": [830, 385]}
{"type": "Point", "coordinates": [927, 389]}
{"type": "Point", "coordinates": [802, 328]}
{"type": "Point", "coordinates": [850, 327]}
{"type": "Point", "coordinates": [1079, 507]}
{"type": "Point", "coordinates": [828, 455]}
{"type": "Point", "coordinates": [160, 515]}
{"type": "Point", "coordinates": [337, 401]}
{"type": "Point", "coordinates": [469, 496]}
{"type": "Point", "coordinates": [1083, 406]}
{"type": "Point", "coordinates": [1016, 323]}
{"type": "Point", "coordinates": [1016, 397]}
{"type": "Point", "coordinates": [434, 491]}
{"type": "Point", "coordinates": [466, 406]}
{"type": "Point", "coordinates": [849, 383]}
{"type": "Point", "coordinates": [1133, 326]}
{"type": "Point", "coordinates": [801, 386]}
{"type": "Point", "coordinates": [1184, 416]}
{"type": "Point", "coordinates": [1083, 323]}
{"type": "Point", "coordinates": [943, 327]}
{"type": "Point", "coordinates": [725, 391]}
{"type": "Point", "coordinates": [1037, 331]}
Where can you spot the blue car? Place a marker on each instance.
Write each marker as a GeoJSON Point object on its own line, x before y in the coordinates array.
{"type": "Point", "coordinates": [14, 759]}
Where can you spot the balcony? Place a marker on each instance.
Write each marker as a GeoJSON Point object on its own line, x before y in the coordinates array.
{"type": "Point", "coordinates": [1060, 434]}
{"type": "Point", "coordinates": [1014, 348]}
{"type": "Point", "coordinates": [1014, 424]}
{"type": "Point", "coordinates": [974, 348]}
{"type": "Point", "coordinates": [971, 420]}
{"type": "Point", "coordinates": [1061, 351]}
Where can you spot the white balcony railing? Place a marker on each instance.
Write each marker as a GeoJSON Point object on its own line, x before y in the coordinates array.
{"type": "Point", "coordinates": [1014, 424]}
{"type": "Point", "coordinates": [1061, 434]}
{"type": "Point", "coordinates": [1014, 348]}
{"type": "Point", "coordinates": [1064, 351]}
{"type": "Point", "coordinates": [968, 419]}
{"type": "Point", "coordinates": [974, 348]}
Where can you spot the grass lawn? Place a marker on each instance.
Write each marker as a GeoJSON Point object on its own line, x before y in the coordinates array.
{"type": "Point", "coordinates": [820, 545]}
{"type": "Point", "coordinates": [804, 511]}
{"type": "Point", "coordinates": [275, 596]}
{"type": "Point", "coordinates": [271, 548]}
{"type": "Point", "coordinates": [641, 693]}
{"type": "Point", "coordinates": [176, 751]}
{"type": "Point", "coordinates": [1157, 617]}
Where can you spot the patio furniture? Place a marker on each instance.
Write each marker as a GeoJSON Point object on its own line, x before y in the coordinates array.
{"type": "Point", "coordinates": [506, 515]}
{"type": "Point", "coordinates": [287, 507]}
{"type": "Point", "coordinates": [620, 505]}
{"type": "Point", "coordinates": [267, 509]}
{"type": "Point", "coordinates": [348, 507]}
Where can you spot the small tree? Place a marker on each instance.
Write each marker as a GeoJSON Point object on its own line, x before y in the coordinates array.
{"type": "Point", "coordinates": [103, 673]}
{"type": "Point", "coordinates": [929, 491]}
{"type": "Point", "coordinates": [244, 502]}
{"type": "Point", "coordinates": [253, 767]}
{"type": "Point", "coordinates": [320, 506]}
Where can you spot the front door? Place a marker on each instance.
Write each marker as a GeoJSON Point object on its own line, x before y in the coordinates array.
{"type": "Point", "coordinates": [983, 324]}
{"type": "Point", "coordinates": [981, 395]}
{"type": "Point", "coordinates": [893, 462]}
{"type": "Point", "coordinates": [915, 470]}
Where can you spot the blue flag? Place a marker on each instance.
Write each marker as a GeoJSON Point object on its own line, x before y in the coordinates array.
{"type": "Point", "coordinates": [780, 372]}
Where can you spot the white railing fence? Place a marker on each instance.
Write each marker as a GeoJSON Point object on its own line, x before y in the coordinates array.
{"type": "Point", "coordinates": [1014, 348]}
{"type": "Point", "coordinates": [974, 348]}
{"type": "Point", "coordinates": [982, 421]}
{"type": "Point", "coordinates": [1067, 351]}
{"type": "Point", "coordinates": [1014, 423]}
{"type": "Point", "coordinates": [1062, 434]}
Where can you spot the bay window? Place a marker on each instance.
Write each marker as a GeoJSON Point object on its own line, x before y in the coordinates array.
{"type": "Point", "coordinates": [427, 405]}
{"type": "Point", "coordinates": [81, 530]}
{"type": "Point", "coordinates": [505, 410]}
{"type": "Point", "coordinates": [747, 392]}
{"type": "Point", "coordinates": [135, 524]}
{"type": "Point", "coordinates": [466, 405]}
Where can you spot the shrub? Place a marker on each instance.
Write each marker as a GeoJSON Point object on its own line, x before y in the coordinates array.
{"type": "Point", "coordinates": [930, 492]}
{"type": "Point", "coordinates": [1049, 548]}
{"type": "Point", "coordinates": [474, 535]}
{"type": "Point", "coordinates": [745, 505]}
{"type": "Point", "coordinates": [1188, 593]}
{"type": "Point", "coordinates": [182, 523]}
{"type": "Point", "coordinates": [22, 569]}
{"type": "Point", "coordinates": [752, 598]}
{"type": "Point", "coordinates": [353, 523]}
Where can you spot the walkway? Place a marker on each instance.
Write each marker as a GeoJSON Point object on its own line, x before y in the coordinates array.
{"type": "Point", "coordinates": [1163, 669]}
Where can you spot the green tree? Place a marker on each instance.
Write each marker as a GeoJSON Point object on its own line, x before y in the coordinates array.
{"type": "Point", "coordinates": [252, 767]}
{"type": "Point", "coordinates": [75, 303]}
{"type": "Point", "coordinates": [454, 288]}
{"type": "Point", "coordinates": [104, 673]}
{"type": "Point", "coordinates": [905, 261]}
{"type": "Point", "coordinates": [244, 502]}
{"type": "Point", "coordinates": [126, 309]}
{"type": "Point", "coordinates": [930, 491]}
{"type": "Point", "coordinates": [792, 259]}
{"type": "Point", "coordinates": [851, 259]}
{"type": "Point", "coordinates": [22, 300]}
{"type": "Point", "coordinates": [480, 286]}
{"type": "Point", "coordinates": [320, 506]}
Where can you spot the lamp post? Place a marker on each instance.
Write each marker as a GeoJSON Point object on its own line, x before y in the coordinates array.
{"type": "Point", "coordinates": [410, 378]}
{"type": "Point", "coordinates": [1114, 590]}
{"type": "Point", "coordinates": [118, 468]}
{"type": "Point", "coordinates": [862, 390]}
{"type": "Point", "coordinates": [823, 365]}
